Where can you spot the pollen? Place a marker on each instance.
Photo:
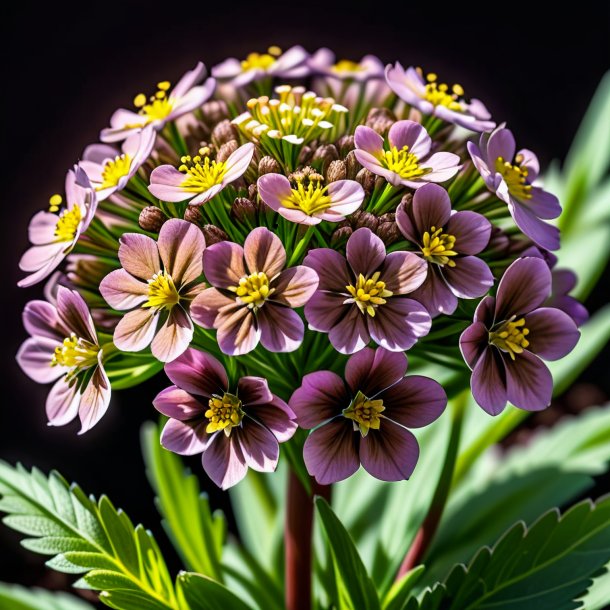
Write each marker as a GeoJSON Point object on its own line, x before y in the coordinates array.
{"type": "Point", "coordinates": [55, 202]}
{"type": "Point", "coordinates": [402, 162]}
{"type": "Point", "coordinates": [162, 292]}
{"type": "Point", "coordinates": [75, 353]}
{"type": "Point", "coordinates": [440, 94]}
{"type": "Point", "coordinates": [510, 336]}
{"type": "Point", "coordinates": [365, 413]}
{"type": "Point", "coordinates": [157, 106]}
{"type": "Point", "coordinates": [515, 176]}
{"type": "Point", "coordinates": [67, 224]}
{"type": "Point", "coordinates": [201, 172]}
{"type": "Point", "coordinates": [253, 290]}
{"type": "Point", "coordinates": [346, 66]}
{"type": "Point", "coordinates": [224, 413]}
{"type": "Point", "coordinates": [437, 247]}
{"type": "Point", "coordinates": [114, 170]}
{"type": "Point", "coordinates": [368, 293]}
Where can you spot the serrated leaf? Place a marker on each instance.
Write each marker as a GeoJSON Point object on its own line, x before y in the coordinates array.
{"type": "Point", "coordinates": [397, 596]}
{"type": "Point", "coordinates": [52, 545]}
{"type": "Point", "coordinates": [200, 592]}
{"type": "Point", "coordinates": [355, 586]}
{"type": "Point", "coordinates": [16, 597]}
{"type": "Point", "coordinates": [598, 594]}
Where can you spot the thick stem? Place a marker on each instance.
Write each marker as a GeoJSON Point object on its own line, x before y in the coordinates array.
{"type": "Point", "coordinates": [426, 532]}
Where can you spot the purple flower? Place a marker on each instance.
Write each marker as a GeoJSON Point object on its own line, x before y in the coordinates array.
{"type": "Point", "coordinates": [310, 203]}
{"type": "Point", "coordinates": [233, 430]}
{"type": "Point", "coordinates": [437, 99]}
{"type": "Point", "coordinates": [510, 335]}
{"type": "Point", "coordinates": [161, 107]}
{"type": "Point", "coordinates": [447, 242]}
{"type": "Point", "coordinates": [510, 177]}
{"type": "Point", "coordinates": [290, 64]}
{"type": "Point", "coordinates": [63, 346]}
{"type": "Point", "coordinates": [365, 420]}
{"type": "Point", "coordinates": [363, 297]}
{"type": "Point", "coordinates": [199, 178]}
{"type": "Point", "coordinates": [253, 296]}
{"type": "Point", "coordinates": [53, 236]}
{"type": "Point", "coordinates": [157, 282]}
{"type": "Point", "coordinates": [109, 170]}
{"type": "Point", "coordinates": [408, 161]}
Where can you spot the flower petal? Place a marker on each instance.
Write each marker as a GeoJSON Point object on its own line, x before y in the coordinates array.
{"type": "Point", "coordinates": [278, 417]}
{"type": "Point", "coordinates": [224, 462]}
{"type": "Point", "coordinates": [372, 370]}
{"type": "Point", "coordinates": [541, 233]}
{"type": "Point", "coordinates": [365, 252]}
{"type": "Point", "coordinates": [178, 404]}
{"type": "Point", "coordinates": [74, 314]}
{"type": "Point", "coordinates": [136, 330]}
{"type": "Point", "coordinates": [35, 357]}
{"type": "Point", "coordinates": [529, 384]}
{"type": "Point", "coordinates": [281, 328]}
{"type": "Point", "coordinates": [350, 334]}
{"type": "Point", "coordinates": [346, 197]}
{"type": "Point", "coordinates": [166, 184]}
{"type": "Point", "coordinates": [324, 310]}
{"type": "Point", "coordinates": [471, 231]}
{"type": "Point", "coordinates": [198, 373]}
{"type": "Point", "coordinates": [431, 207]}
{"type": "Point", "coordinates": [62, 403]}
{"type": "Point", "coordinates": [295, 286]}
{"type": "Point", "coordinates": [273, 189]}
{"type": "Point", "coordinates": [264, 252]}
{"type": "Point", "coordinates": [174, 336]}
{"type": "Point", "coordinates": [412, 135]}
{"type": "Point", "coordinates": [553, 334]}
{"type": "Point", "coordinates": [501, 143]}
{"type": "Point", "coordinates": [403, 272]}
{"type": "Point", "coordinates": [368, 140]}
{"type": "Point", "coordinates": [139, 255]}
{"type": "Point", "coordinates": [472, 343]}
{"type": "Point", "coordinates": [470, 278]}
{"type": "Point", "coordinates": [488, 382]}
{"type": "Point", "coordinates": [444, 165]}
{"type": "Point", "coordinates": [331, 267]}
{"type": "Point", "coordinates": [238, 162]}
{"type": "Point", "coordinates": [543, 204]}
{"type": "Point", "coordinates": [258, 446]}
{"type": "Point", "coordinates": [254, 391]}
{"type": "Point", "coordinates": [434, 294]}
{"type": "Point", "coordinates": [181, 246]}
{"type": "Point", "coordinates": [207, 304]}
{"type": "Point", "coordinates": [223, 264]}
{"type": "Point", "coordinates": [123, 291]}
{"type": "Point", "coordinates": [95, 399]}
{"type": "Point", "coordinates": [321, 396]}
{"type": "Point", "coordinates": [399, 323]}
{"type": "Point", "coordinates": [40, 319]}
{"type": "Point", "coordinates": [237, 333]}
{"type": "Point", "coordinates": [185, 438]}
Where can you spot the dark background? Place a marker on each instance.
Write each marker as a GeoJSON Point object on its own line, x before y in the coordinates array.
{"type": "Point", "coordinates": [67, 67]}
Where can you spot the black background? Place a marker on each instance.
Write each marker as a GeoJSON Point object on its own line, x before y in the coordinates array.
{"type": "Point", "coordinates": [67, 67]}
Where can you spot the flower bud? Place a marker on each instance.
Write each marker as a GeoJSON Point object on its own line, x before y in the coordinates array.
{"type": "Point", "coordinates": [406, 200]}
{"type": "Point", "coordinates": [388, 232]}
{"type": "Point", "coordinates": [340, 236]}
{"type": "Point", "coordinates": [380, 119]}
{"type": "Point", "coordinates": [305, 155]}
{"type": "Point", "coordinates": [268, 165]}
{"type": "Point", "coordinates": [214, 111]}
{"type": "Point", "coordinates": [366, 179]}
{"type": "Point", "coordinates": [252, 192]}
{"type": "Point", "coordinates": [193, 214]}
{"type": "Point", "coordinates": [151, 219]}
{"type": "Point", "coordinates": [224, 132]}
{"type": "Point", "coordinates": [325, 155]}
{"type": "Point", "coordinates": [226, 150]}
{"type": "Point", "coordinates": [360, 218]}
{"type": "Point", "coordinates": [337, 170]}
{"type": "Point", "coordinates": [213, 234]}
{"type": "Point", "coordinates": [243, 209]}
{"type": "Point", "coordinates": [352, 166]}
{"type": "Point", "coordinates": [344, 145]}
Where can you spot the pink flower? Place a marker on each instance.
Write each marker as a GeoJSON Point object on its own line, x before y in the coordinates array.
{"type": "Point", "coordinates": [63, 346]}
{"type": "Point", "coordinates": [162, 107]}
{"type": "Point", "coordinates": [157, 282]}
{"type": "Point", "coordinates": [54, 235]}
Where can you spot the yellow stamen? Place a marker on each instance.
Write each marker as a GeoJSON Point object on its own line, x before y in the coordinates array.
{"type": "Point", "coordinates": [67, 224]}
{"type": "Point", "coordinates": [75, 353]}
{"type": "Point", "coordinates": [55, 202]}
{"type": "Point", "coordinates": [438, 247]}
{"type": "Point", "coordinates": [223, 413]}
{"type": "Point", "coordinates": [365, 413]}
{"type": "Point", "coordinates": [162, 292]}
{"type": "Point", "coordinates": [438, 93]}
{"type": "Point", "coordinates": [403, 163]}
{"type": "Point", "coordinates": [258, 60]}
{"type": "Point", "coordinates": [201, 174]}
{"type": "Point", "coordinates": [310, 199]}
{"type": "Point", "coordinates": [368, 293]}
{"type": "Point", "coordinates": [159, 105]}
{"type": "Point", "coordinates": [515, 177]}
{"type": "Point", "coordinates": [253, 290]}
{"type": "Point", "coordinates": [139, 100]}
{"type": "Point", "coordinates": [274, 50]}
{"type": "Point", "coordinates": [346, 65]}
{"type": "Point", "coordinates": [510, 336]}
{"type": "Point", "coordinates": [114, 170]}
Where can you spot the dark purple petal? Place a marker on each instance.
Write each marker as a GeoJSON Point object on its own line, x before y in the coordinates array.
{"type": "Point", "coordinates": [485, 311]}
{"type": "Point", "coordinates": [542, 203]}
{"type": "Point", "coordinates": [258, 445]}
{"type": "Point", "coordinates": [365, 252]}
{"type": "Point", "coordinates": [331, 451]}
{"type": "Point", "coordinates": [224, 462]}
{"type": "Point", "coordinates": [523, 287]}
{"type": "Point", "coordinates": [281, 328]}
{"type": "Point", "coordinates": [501, 143]}
{"type": "Point", "coordinates": [324, 310]}
{"type": "Point", "coordinates": [403, 272]}
{"type": "Point", "coordinates": [434, 294]}
{"type": "Point", "coordinates": [185, 438]}
{"type": "Point", "coordinates": [263, 251]}
{"type": "Point", "coordinates": [471, 231]}
{"type": "Point", "coordinates": [399, 323]}
{"type": "Point", "coordinates": [473, 341]}
{"type": "Point", "coordinates": [198, 373]}
{"type": "Point", "coordinates": [406, 224]}
{"type": "Point", "coordinates": [576, 310]}
{"type": "Point", "coordinates": [74, 314]}
{"type": "Point", "coordinates": [470, 278]}
{"type": "Point", "coordinates": [331, 267]}
{"type": "Point", "coordinates": [543, 234]}
{"type": "Point", "coordinates": [278, 417]}
{"type": "Point", "coordinates": [390, 453]}
{"type": "Point", "coordinates": [431, 207]}
{"type": "Point", "coordinates": [295, 286]}
{"type": "Point", "coordinates": [322, 395]}
{"type": "Point", "coordinates": [414, 401]}
{"type": "Point", "coordinates": [553, 333]}
{"type": "Point", "coordinates": [350, 334]}
{"type": "Point", "coordinates": [529, 384]}
{"type": "Point", "coordinates": [237, 333]}
{"type": "Point", "coordinates": [488, 382]}
{"type": "Point", "coordinates": [563, 280]}
{"type": "Point", "coordinates": [178, 404]}
{"type": "Point", "coordinates": [374, 370]}
{"type": "Point", "coordinates": [254, 391]}
{"type": "Point", "coordinates": [223, 264]}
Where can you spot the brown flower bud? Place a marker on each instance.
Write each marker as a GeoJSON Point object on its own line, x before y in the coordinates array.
{"type": "Point", "coordinates": [360, 218]}
{"type": "Point", "coordinates": [226, 150]}
{"type": "Point", "coordinates": [366, 179]}
{"type": "Point", "coordinates": [213, 234]}
{"type": "Point", "coordinates": [406, 199]}
{"type": "Point", "coordinates": [193, 214]}
{"type": "Point", "coordinates": [243, 209]}
{"type": "Point", "coordinates": [388, 232]}
{"type": "Point", "coordinates": [340, 236]}
{"type": "Point", "coordinates": [252, 192]}
{"type": "Point", "coordinates": [344, 145]}
{"type": "Point", "coordinates": [268, 165]}
{"type": "Point", "coordinates": [336, 171]}
{"type": "Point", "coordinates": [325, 155]}
{"type": "Point", "coordinates": [224, 132]}
{"type": "Point", "coordinates": [352, 166]}
{"type": "Point", "coordinates": [215, 111]}
{"type": "Point", "coordinates": [305, 155]}
{"type": "Point", "coordinates": [151, 219]}
{"type": "Point", "coordinates": [380, 119]}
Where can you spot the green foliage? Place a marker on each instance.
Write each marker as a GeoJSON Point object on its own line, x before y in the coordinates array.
{"type": "Point", "coordinates": [398, 595]}
{"type": "Point", "coordinates": [15, 597]}
{"type": "Point", "coordinates": [197, 534]}
{"type": "Point", "coordinates": [596, 598]}
{"type": "Point", "coordinates": [197, 591]}
{"type": "Point", "coordinates": [545, 567]}
{"type": "Point", "coordinates": [85, 536]}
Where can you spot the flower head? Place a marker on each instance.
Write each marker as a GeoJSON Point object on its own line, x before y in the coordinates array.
{"type": "Point", "coordinates": [364, 297]}
{"type": "Point", "coordinates": [162, 106]}
{"type": "Point", "coordinates": [365, 419]}
{"type": "Point", "coordinates": [63, 347]}
{"type": "Point", "coordinates": [510, 177]}
{"type": "Point", "coordinates": [109, 170]}
{"type": "Point", "coordinates": [53, 234]}
{"type": "Point", "coordinates": [308, 201]}
{"type": "Point", "coordinates": [510, 335]}
{"type": "Point", "coordinates": [233, 428]}
{"type": "Point", "coordinates": [253, 296]}
{"type": "Point", "coordinates": [157, 283]}
{"type": "Point", "coordinates": [407, 161]}
{"type": "Point", "coordinates": [447, 241]}
{"type": "Point", "coordinates": [437, 99]}
{"type": "Point", "coordinates": [199, 178]}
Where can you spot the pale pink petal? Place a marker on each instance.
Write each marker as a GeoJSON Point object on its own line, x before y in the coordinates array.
{"type": "Point", "coordinates": [35, 357]}
{"type": "Point", "coordinates": [181, 246]}
{"type": "Point", "coordinates": [368, 140]}
{"type": "Point", "coordinates": [166, 184]}
{"type": "Point", "coordinates": [444, 165]}
{"type": "Point", "coordinates": [139, 255]}
{"type": "Point", "coordinates": [123, 291]}
{"type": "Point", "coordinates": [136, 330]}
{"type": "Point", "coordinates": [40, 319]}
{"type": "Point", "coordinates": [263, 251]}
{"type": "Point", "coordinates": [346, 197]}
{"type": "Point", "coordinates": [238, 162]}
{"type": "Point", "coordinates": [95, 399]}
{"type": "Point", "coordinates": [188, 80]}
{"type": "Point", "coordinates": [62, 403]}
{"type": "Point", "coordinates": [207, 304]}
{"type": "Point", "coordinates": [295, 286]}
{"type": "Point", "coordinates": [42, 228]}
{"type": "Point", "coordinates": [273, 189]}
{"type": "Point", "coordinates": [412, 135]}
{"type": "Point", "coordinates": [174, 336]}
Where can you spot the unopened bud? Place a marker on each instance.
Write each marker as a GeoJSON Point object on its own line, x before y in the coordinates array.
{"type": "Point", "coordinates": [252, 192]}
{"type": "Point", "coordinates": [336, 171]}
{"type": "Point", "coordinates": [226, 150]}
{"type": "Point", "coordinates": [352, 166]}
{"type": "Point", "coordinates": [193, 214]}
{"type": "Point", "coordinates": [344, 145]}
{"type": "Point", "coordinates": [340, 236]}
{"type": "Point", "coordinates": [213, 234]}
{"type": "Point", "coordinates": [388, 232]}
{"type": "Point", "coordinates": [366, 179]}
{"type": "Point", "coordinates": [268, 165]}
{"type": "Point", "coordinates": [305, 155]}
{"type": "Point", "coordinates": [224, 132]}
{"type": "Point", "coordinates": [406, 200]}
{"type": "Point", "coordinates": [151, 219]}
{"type": "Point", "coordinates": [364, 219]}
{"type": "Point", "coordinates": [243, 209]}
{"type": "Point", "coordinates": [215, 111]}
{"type": "Point", "coordinates": [380, 119]}
{"type": "Point", "coordinates": [324, 156]}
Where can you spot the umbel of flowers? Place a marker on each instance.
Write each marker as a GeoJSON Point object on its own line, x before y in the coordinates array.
{"type": "Point", "coordinates": [281, 237]}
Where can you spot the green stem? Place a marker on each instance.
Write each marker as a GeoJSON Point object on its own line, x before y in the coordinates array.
{"type": "Point", "coordinates": [428, 529]}
{"type": "Point", "coordinates": [300, 247]}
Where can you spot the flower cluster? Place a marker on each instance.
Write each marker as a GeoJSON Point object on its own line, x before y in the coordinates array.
{"type": "Point", "coordinates": [276, 236]}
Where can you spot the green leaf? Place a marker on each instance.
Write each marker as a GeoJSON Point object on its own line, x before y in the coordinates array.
{"type": "Point", "coordinates": [86, 537]}
{"type": "Point", "coordinates": [596, 598]}
{"type": "Point", "coordinates": [202, 593]}
{"type": "Point", "coordinates": [545, 567]}
{"type": "Point", "coordinates": [15, 597]}
{"type": "Point", "coordinates": [197, 534]}
{"type": "Point", "coordinates": [355, 588]}
{"type": "Point", "coordinates": [398, 595]}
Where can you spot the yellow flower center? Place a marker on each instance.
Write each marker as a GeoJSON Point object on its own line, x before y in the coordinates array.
{"type": "Point", "coordinates": [262, 61]}
{"type": "Point", "coordinates": [162, 292]}
{"type": "Point", "coordinates": [114, 170]}
{"type": "Point", "coordinates": [75, 353]}
{"type": "Point", "coordinates": [55, 202]}
{"type": "Point", "coordinates": [67, 224]}
{"type": "Point", "coordinates": [368, 293]}
{"type": "Point", "coordinates": [201, 172]}
{"type": "Point", "coordinates": [439, 94]}
{"type": "Point", "coordinates": [365, 413]}
{"type": "Point", "coordinates": [510, 336]}
{"type": "Point", "coordinates": [310, 199]}
{"type": "Point", "coordinates": [438, 247]}
{"type": "Point", "coordinates": [223, 413]}
{"type": "Point", "coordinates": [158, 106]}
{"type": "Point", "coordinates": [515, 177]}
{"type": "Point", "coordinates": [253, 290]}
{"type": "Point", "coordinates": [403, 163]}
{"type": "Point", "coordinates": [346, 65]}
